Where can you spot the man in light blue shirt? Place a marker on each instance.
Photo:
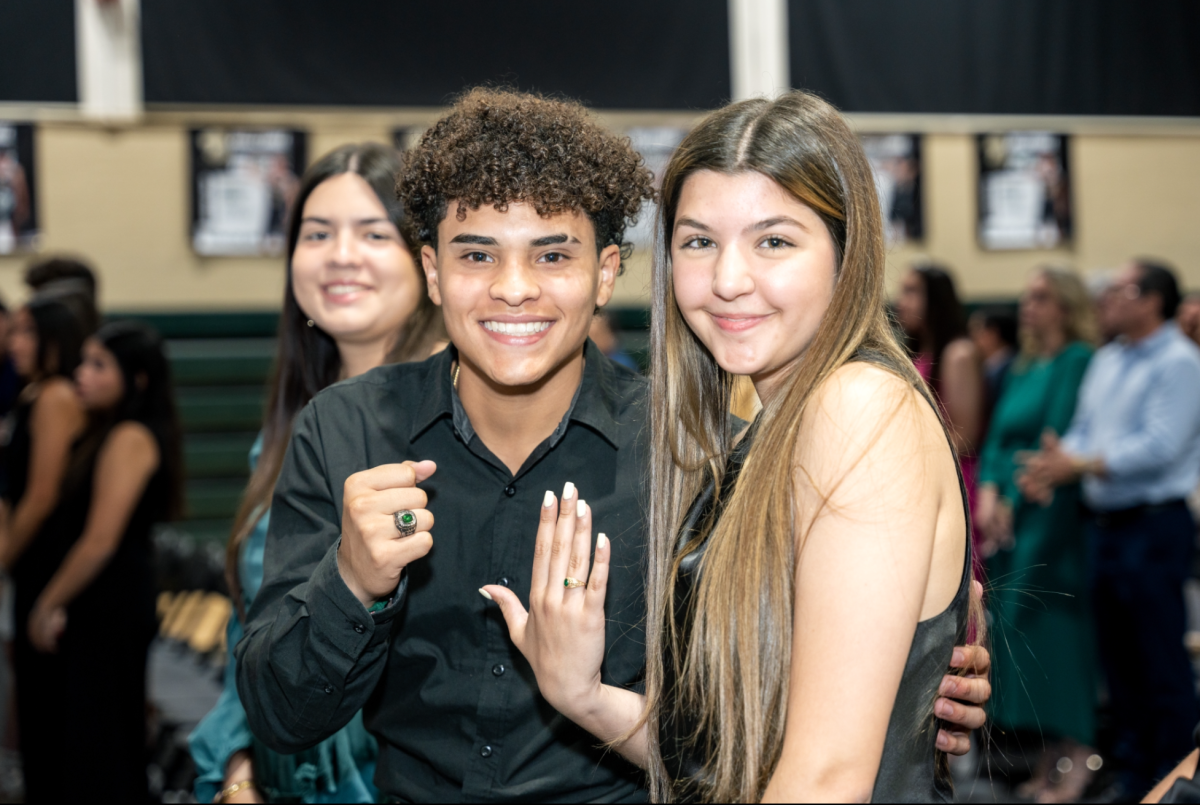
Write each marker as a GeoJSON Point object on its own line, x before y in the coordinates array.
{"type": "Point", "coordinates": [1135, 443]}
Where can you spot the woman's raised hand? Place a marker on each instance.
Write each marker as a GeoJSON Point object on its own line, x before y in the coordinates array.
{"type": "Point", "coordinates": [562, 634]}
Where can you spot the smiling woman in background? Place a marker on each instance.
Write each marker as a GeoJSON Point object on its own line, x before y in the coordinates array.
{"type": "Point", "coordinates": [354, 300]}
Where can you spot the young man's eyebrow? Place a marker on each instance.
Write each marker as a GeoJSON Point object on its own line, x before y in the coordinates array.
{"type": "Point", "coordinates": [474, 240]}
{"type": "Point", "coordinates": [693, 223]}
{"type": "Point", "coordinates": [551, 240]}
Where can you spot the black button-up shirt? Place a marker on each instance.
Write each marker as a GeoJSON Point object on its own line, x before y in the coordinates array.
{"type": "Point", "coordinates": [453, 703]}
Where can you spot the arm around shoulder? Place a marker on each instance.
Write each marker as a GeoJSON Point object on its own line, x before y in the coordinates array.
{"type": "Point", "coordinates": [312, 654]}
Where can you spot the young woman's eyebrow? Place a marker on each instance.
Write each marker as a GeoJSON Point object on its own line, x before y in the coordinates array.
{"type": "Point", "coordinates": [693, 223]}
{"type": "Point", "coordinates": [776, 221]}
{"type": "Point", "coordinates": [313, 219]}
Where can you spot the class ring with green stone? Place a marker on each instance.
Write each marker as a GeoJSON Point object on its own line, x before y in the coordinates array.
{"type": "Point", "coordinates": [406, 522]}
{"type": "Point", "coordinates": [571, 583]}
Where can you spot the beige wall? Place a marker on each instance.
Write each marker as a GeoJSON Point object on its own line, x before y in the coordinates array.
{"type": "Point", "coordinates": [120, 197]}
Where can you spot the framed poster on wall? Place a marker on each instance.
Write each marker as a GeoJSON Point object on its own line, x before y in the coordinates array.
{"type": "Point", "coordinates": [656, 144]}
{"type": "Point", "coordinates": [243, 185]}
{"type": "Point", "coordinates": [18, 189]}
{"type": "Point", "coordinates": [896, 162]}
{"type": "Point", "coordinates": [1024, 190]}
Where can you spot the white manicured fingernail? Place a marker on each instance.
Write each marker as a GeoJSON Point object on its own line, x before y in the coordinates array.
{"type": "Point", "coordinates": [601, 540]}
{"type": "Point", "coordinates": [580, 507]}
{"type": "Point", "coordinates": [548, 501]}
{"type": "Point", "coordinates": [568, 490]}
{"type": "Point", "coordinates": [486, 594]}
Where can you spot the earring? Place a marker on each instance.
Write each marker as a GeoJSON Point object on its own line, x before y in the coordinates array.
{"type": "Point", "coordinates": [310, 322]}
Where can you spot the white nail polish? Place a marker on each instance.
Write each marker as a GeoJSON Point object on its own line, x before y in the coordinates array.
{"type": "Point", "coordinates": [601, 540]}
{"type": "Point", "coordinates": [486, 594]}
{"type": "Point", "coordinates": [580, 507]}
{"type": "Point", "coordinates": [548, 501]}
{"type": "Point", "coordinates": [568, 490]}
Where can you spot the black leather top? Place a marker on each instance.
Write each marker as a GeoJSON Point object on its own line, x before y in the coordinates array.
{"type": "Point", "coordinates": [908, 768]}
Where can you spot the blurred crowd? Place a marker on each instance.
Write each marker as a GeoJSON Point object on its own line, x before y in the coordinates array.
{"type": "Point", "coordinates": [1076, 417]}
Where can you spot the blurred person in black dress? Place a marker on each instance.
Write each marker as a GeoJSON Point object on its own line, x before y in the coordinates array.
{"type": "Point", "coordinates": [10, 381]}
{"type": "Point", "coordinates": [48, 417]}
{"type": "Point", "coordinates": [97, 611]}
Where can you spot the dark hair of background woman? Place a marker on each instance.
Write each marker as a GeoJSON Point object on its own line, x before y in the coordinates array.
{"type": "Point", "coordinates": [148, 398]}
{"type": "Point", "coordinates": [944, 319]}
{"type": "Point", "coordinates": [60, 337]}
{"type": "Point", "coordinates": [308, 359]}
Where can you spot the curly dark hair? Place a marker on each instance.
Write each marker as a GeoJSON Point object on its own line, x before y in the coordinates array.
{"type": "Point", "coordinates": [498, 146]}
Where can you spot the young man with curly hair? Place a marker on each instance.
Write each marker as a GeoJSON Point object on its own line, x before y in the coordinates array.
{"type": "Point", "coordinates": [521, 204]}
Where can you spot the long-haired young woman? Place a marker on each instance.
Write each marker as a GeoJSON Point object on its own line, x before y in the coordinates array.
{"type": "Point", "coordinates": [354, 299]}
{"type": "Point", "coordinates": [932, 317]}
{"type": "Point", "coordinates": [45, 348]}
{"type": "Point", "coordinates": [97, 611]}
{"type": "Point", "coordinates": [809, 576]}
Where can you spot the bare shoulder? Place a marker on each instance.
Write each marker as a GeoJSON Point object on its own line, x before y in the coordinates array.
{"type": "Point", "coordinates": [960, 351]}
{"type": "Point", "coordinates": [865, 419]}
{"type": "Point", "coordinates": [129, 444]}
{"type": "Point", "coordinates": [56, 393]}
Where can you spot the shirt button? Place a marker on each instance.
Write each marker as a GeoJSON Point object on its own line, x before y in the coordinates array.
{"type": "Point", "coordinates": [329, 688]}
{"type": "Point", "coordinates": [485, 751]}
{"type": "Point", "coordinates": [358, 627]}
{"type": "Point", "coordinates": [510, 490]}
{"type": "Point", "coordinates": [502, 581]}
{"type": "Point", "coordinates": [498, 669]}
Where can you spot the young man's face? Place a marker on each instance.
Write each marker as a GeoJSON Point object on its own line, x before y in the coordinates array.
{"type": "Point", "coordinates": [518, 290]}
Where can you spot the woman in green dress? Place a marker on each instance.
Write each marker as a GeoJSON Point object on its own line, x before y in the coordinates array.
{"type": "Point", "coordinates": [1041, 623]}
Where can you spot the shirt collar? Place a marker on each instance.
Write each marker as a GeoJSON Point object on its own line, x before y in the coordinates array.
{"type": "Point", "coordinates": [1152, 342]}
{"type": "Point", "coordinates": [595, 402]}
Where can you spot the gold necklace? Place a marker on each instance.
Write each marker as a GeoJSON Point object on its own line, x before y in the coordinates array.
{"type": "Point", "coordinates": [454, 376]}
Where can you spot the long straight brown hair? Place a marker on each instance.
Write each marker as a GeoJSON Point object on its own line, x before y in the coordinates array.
{"type": "Point", "coordinates": [734, 670]}
{"type": "Point", "coordinates": [307, 359]}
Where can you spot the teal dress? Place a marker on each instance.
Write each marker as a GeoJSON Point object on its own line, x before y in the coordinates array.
{"type": "Point", "coordinates": [1041, 632]}
{"type": "Point", "coordinates": [339, 769]}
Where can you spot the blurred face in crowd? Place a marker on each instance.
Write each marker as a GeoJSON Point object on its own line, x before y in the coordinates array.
{"type": "Point", "coordinates": [1129, 311]}
{"type": "Point", "coordinates": [910, 304]}
{"type": "Point", "coordinates": [23, 344]}
{"type": "Point", "coordinates": [518, 290]}
{"type": "Point", "coordinates": [98, 380]}
{"type": "Point", "coordinates": [1188, 317]}
{"type": "Point", "coordinates": [352, 273]}
{"type": "Point", "coordinates": [986, 339]}
{"type": "Point", "coordinates": [753, 270]}
{"type": "Point", "coordinates": [1041, 314]}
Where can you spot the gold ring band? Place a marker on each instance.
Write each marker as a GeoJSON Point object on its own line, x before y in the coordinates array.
{"type": "Point", "coordinates": [571, 583]}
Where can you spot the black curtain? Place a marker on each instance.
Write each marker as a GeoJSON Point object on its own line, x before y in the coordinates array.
{"type": "Point", "coordinates": [1071, 57]}
{"type": "Point", "coordinates": [37, 50]}
{"type": "Point", "coordinates": [620, 54]}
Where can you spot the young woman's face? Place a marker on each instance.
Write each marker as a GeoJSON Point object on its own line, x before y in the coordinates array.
{"type": "Point", "coordinates": [1041, 314]}
{"type": "Point", "coordinates": [753, 268]}
{"type": "Point", "coordinates": [352, 274]}
{"type": "Point", "coordinates": [23, 344]}
{"type": "Point", "coordinates": [98, 380]}
{"type": "Point", "coordinates": [910, 304]}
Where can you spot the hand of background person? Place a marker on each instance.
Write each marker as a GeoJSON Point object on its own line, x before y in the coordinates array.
{"type": "Point", "coordinates": [1045, 469]}
{"type": "Point", "coordinates": [993, 520]}
{"type": "Point", "coordinates": [373, 553]}
{"type": "Point", "coordinates": [963, 697]}
{"type": "Point", "coordinates": [562, 634]}
{"type": "Point", "coordinates": [46, 626]}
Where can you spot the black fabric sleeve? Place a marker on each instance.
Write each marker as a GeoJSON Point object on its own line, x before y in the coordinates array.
{"type": "Point", "coordinates": [312, 653]}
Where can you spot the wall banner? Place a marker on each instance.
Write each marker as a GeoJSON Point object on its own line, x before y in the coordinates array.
{"type": "Point", "coordinates": [18, 191]}
{"type": "Point", "coordinates": [243, 185]}
{"type": "Point", "coordinates": [1024, 191]}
